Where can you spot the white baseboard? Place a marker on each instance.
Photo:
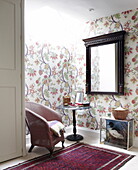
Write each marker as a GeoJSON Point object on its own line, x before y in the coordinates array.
{"type": "Point", "coordinates": [136, 142]}
{"type": "Point", "coordinates": [69, 128]}
{"type": "Point", "coordinates": [82, 128]}
{"type": "Point", "coordinates": [27, 139]}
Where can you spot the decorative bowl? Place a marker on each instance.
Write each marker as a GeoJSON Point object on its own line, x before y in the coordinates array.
{"type": "Point", "coordinates": [120, 114]}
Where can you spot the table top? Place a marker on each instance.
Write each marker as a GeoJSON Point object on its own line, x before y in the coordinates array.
{"type": "Point", "coordinates": [73, 107]}
{"type": "Point", "coordinates": [112, 118]}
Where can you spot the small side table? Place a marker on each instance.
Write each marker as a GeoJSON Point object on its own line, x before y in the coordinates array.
{"type": "Point", "coordinates": [74, 136]}
{"type": "Point", "coordinates": [119, 133]}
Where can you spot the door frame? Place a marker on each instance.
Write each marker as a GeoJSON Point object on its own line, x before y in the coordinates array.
{"type": "Point", "coordinates": [23, 78]}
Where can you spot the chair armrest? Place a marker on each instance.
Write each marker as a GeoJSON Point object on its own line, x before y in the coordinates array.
{"type": "Point", "coordinates": [37, 124]}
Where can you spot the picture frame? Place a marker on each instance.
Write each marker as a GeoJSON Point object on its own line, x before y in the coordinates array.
{"type": "Point", "coordinates": [79, 97]}
{"type": "Point", "coordinates": [119, 133]}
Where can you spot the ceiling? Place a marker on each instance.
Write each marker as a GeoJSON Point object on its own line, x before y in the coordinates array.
{"type": "Point", "coordinates": [83, 9]}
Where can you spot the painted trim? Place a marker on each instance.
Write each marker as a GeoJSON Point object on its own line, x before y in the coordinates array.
{"type": "Point", "coordinates": [22, 5]}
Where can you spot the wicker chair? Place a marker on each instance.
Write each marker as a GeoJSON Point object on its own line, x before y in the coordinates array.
{"type": "Point", "coordinates": [37, 117]}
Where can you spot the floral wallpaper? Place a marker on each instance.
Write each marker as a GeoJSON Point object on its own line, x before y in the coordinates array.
{"type": "Point", "coordinates": [53, 71]}
{"type": "Point", "coordinates": [49, 74]}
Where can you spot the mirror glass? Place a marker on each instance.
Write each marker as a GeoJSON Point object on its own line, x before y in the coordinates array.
{"type": "Point", "coordinates": [101, 71]}
{"type": "Point", "coordinates": [105, 64]}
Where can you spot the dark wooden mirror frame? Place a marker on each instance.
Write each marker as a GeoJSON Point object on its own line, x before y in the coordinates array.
{"type": "Point", "coordinates": [118, 38]}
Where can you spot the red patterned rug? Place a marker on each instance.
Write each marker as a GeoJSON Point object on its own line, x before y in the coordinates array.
{"type": "Point", "coordinates": [75, 157]}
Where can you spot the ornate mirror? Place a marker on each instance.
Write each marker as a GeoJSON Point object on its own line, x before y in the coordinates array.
{"type": "Point", "coordinates": [105, 64]}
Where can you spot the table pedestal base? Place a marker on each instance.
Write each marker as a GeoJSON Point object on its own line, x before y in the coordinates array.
{"type": "Point", "coordinates": [74, 137]}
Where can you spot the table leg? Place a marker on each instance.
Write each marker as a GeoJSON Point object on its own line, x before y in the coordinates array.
{"type": "Point", "coordinates": [74, 123]}
{"type": "Point", "coordinates": [74, 136]}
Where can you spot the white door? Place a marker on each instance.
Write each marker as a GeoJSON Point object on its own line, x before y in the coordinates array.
{"type": "Point", "coordinates": [10, 80]}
